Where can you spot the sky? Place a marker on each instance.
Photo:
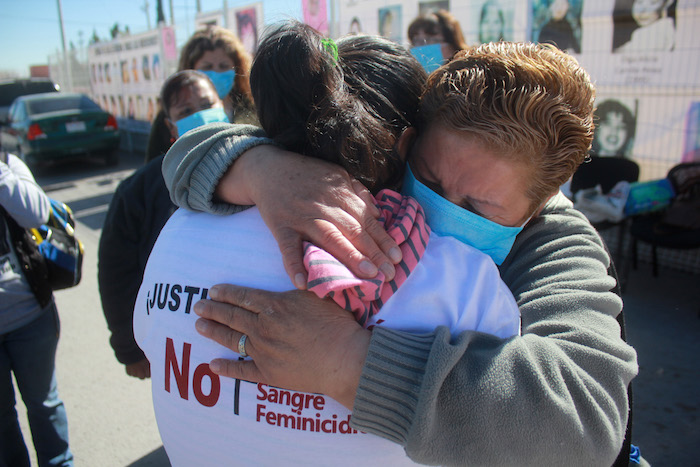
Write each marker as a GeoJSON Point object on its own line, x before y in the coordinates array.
{"type": "Point", "coordinates": [30, 31]}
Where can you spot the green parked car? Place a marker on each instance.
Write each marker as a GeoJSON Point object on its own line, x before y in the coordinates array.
{"type": "Point", "coordinates": [58, 126]}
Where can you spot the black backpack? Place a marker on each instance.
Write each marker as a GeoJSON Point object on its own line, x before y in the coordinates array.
{"type": "Point", "coordinates": [684, 210]}
{"type": "Point", "coordinates": [55, 241]}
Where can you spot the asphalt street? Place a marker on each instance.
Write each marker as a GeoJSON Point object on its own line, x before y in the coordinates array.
{"type": "Point", "coordinates": [110, 415]}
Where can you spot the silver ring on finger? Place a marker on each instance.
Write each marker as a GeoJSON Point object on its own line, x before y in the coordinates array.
{"type": "Point", "coordinates": [241, 346]}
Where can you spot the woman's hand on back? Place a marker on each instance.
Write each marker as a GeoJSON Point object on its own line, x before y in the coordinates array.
{"type": "Point", "coordinates": [301, 198]}
{"type": "Point", "coordinates": [295, 340]}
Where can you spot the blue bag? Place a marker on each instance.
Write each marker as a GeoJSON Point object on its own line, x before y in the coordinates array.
{"type": "Point", "coordinates": [57, 243]}
{"type": "Point", "coordinates": [645, 197]}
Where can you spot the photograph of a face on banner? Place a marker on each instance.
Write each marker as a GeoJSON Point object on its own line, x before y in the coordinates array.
{"type": "Point", "coordinates": [615, 127]}
{"type": "Point", "coordinates": [691, 148]}
{"type": "Point", "coordinates": [316, 15]}
{"type": "Point", "coordinates": [390, 23]}
{"type": "Point", "coordinates": [644, 26]}
{"type": "Point", "coordinates": [557, 22]}
{"type": "Point", "coordinates": [355, 26]}
{"type": "Point", "coordinates": [124, 66]}
{"type": "Point", "coordinates": [492, 22]}
{"type": "Point", "coordinates": [146, 68]}
{"type": "Point", "coordinates": [427, 7]}
{"type": "Point", "coordinates": [247, 29]}
{"type": "Point", "coordinates": [156, 67]}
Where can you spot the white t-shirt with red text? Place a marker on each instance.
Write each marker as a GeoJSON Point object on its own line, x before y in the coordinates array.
{"type": "Point", "coordinates": [205, 419]}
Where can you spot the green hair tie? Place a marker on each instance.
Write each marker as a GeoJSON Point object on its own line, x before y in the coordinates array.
{"type": "Point", "coordinates": [331, 48]}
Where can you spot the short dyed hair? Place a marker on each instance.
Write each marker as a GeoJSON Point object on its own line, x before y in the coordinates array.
{"type": "Point", "coordinates": [439, 22]}
{"type": "Point", "coordinates": [530, 103]}
{"type": "Point", "coordinates": [215, 37]}
{"type": "Point", "coordinates": [349, 111]}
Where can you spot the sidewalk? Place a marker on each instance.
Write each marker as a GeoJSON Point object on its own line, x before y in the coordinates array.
{"type": "Point", "coordinates": [663, 324]}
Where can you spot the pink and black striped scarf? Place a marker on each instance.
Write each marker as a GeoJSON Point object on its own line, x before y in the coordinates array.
{"type": "Point", "coordinates": [404, 221]}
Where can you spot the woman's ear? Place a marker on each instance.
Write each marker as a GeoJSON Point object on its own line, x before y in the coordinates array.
{"type": "Point", "coordinates": [405, 142]}
{"type": "Point", "coordinates": [171, 127]}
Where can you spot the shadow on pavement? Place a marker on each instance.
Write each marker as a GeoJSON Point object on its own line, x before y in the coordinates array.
{"type": "Point", "coordinates": [663, 326]}
{"type": "Point", "coordinates": [87, 186]}
{"type": "Point", "coordinates": [85, 212]}
{"type": "Point", "coordinates": [94, 221]}
{"type": "Point", "coordinates": [157, 458]}
{"type": "Point", "coordinates": [64, 175]}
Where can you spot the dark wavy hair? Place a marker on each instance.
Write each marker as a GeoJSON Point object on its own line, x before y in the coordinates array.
{"type": "Point", "coordinates": [170, 92]}
{"type": "Point", "coordinates": [348, 110]}
{"type": "Point", "coordinates": [210, 39]}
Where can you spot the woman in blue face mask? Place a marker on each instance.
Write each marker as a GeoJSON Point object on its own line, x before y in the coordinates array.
{"type": "Point", "coordinates": [435, 38]}
{"type": "Point", "coordinates": [326, 100]}
{"type": "Point", "coordinates": [190, 100]}
{"type": "Point", "coordinates": [140, 207]}
{"type": "Point", "coordinates": [500, 128]}
{"type": "Point", "coordinates": [219, 54]}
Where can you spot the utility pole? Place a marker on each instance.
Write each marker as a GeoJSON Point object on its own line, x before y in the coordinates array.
{"type": "Point", "coordinates": [66, 66]}
{"type": "Point", "coordinates": [81, 50]}
{"type": "Point", "coordinates": [160, 16]}
{"type": "Point", "coordinates": [172, 14]}
{"type": "Point", "coordinates": [333, 24]}
{"type": "Point", "coordinates": [145, 9]}
{"type": "Point", "coordinates": [226, 22]}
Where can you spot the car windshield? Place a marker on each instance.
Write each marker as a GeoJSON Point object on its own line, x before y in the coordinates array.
{"type": "Point", "coordinates": [57, 104]}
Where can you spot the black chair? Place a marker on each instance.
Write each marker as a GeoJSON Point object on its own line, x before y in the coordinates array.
{"type": "Point", "coordinates": [678, 226]}
{"type": "Point", "coordinates": [607, 172]}
{"type": "Point", "coordinates": [604, 171]}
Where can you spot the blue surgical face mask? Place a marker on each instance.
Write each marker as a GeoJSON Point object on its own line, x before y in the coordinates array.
{"type": "Point", "coordinates": [430, 56]}
{"type": "Point", "coordinates": [448, 219]}
{"type": "Point", "coordinates": [223, 80]}
{"type": "Point", "coordinates": [197, 119]}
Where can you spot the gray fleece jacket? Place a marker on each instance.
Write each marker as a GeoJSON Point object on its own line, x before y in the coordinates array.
{"type": "Point", "coordinates": [556, 395]}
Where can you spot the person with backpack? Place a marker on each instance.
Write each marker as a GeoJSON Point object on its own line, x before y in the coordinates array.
{"type": "Point", "coordinates": [29, 325]}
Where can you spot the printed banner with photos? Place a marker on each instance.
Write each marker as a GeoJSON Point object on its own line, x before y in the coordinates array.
{"type": "Point", "coordinates": [126, 74]}
{"type": "Point", "coordinates": [644, 57]}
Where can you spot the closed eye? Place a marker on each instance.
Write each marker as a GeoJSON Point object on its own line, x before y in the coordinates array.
{"type": "Point", "coordinates": [187, 111]}
{"type": "Point", "coordinates": [436, 187]}
{"type": "Point", "coordinates": [464, 203]}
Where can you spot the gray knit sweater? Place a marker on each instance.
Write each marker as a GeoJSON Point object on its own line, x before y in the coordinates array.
{"type": "Point", "coordinates": [557, 395]}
